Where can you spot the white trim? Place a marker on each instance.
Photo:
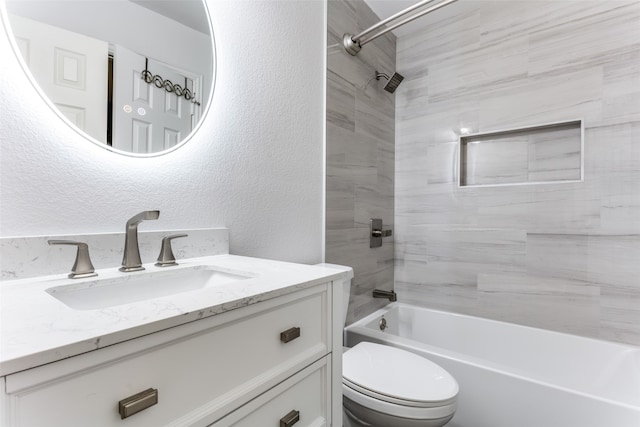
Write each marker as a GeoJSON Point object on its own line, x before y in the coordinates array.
{"type": "Point", "coordinates": [323, 233]}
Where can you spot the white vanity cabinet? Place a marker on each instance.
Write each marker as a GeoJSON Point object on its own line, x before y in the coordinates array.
{"type": "Point", "coordinates": [300, 400]}
{"type": "Point", "coordinates": [250, 366]}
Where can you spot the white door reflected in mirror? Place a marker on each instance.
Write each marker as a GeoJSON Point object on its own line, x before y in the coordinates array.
{"type": "Point", "coordinates": [134, 76]}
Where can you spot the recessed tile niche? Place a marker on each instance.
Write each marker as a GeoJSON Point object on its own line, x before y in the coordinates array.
{"type": "Point", "coordinates": [532, 155]}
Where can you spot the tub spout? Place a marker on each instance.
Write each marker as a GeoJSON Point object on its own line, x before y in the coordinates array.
{"type": "Point", "coordinates": [391, 295]}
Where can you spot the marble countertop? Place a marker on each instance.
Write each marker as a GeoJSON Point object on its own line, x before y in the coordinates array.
{"type": "Point", "coordinates": [36, 328]}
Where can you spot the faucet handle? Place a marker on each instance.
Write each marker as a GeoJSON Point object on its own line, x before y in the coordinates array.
{"type": "Point", "coordinates": [166, 257]}
{"type": "Point", "coordinates": [83, 266]}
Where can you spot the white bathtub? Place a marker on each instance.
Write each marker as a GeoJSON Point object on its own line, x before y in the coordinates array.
{"type": "Point", "coordinates": [516, 376]}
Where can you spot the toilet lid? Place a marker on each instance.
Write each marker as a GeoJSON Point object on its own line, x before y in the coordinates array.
{"type": "Point", "coordinates": [396, 375]}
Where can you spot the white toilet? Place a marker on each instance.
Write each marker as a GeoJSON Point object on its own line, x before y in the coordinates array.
{"type": "Point", "coordinates": [384, 386]}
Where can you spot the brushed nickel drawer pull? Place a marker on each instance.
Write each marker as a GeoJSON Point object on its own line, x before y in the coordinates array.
{"type": "Point", "coordinates": [290, 334]}
{"type": "Point", "coordinates": [138, 402]}
{"type": "Point", "coordinates": [290, 419]}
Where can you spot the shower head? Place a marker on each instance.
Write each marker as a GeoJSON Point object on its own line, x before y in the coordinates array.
{"type": "Point", "coordinates": [392, 82]}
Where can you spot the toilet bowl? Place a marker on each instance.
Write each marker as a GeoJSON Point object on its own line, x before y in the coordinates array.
{"type": "Point", "coordinates": [390, 387]}
{"type": "Point", "coordinates": [384, 386]}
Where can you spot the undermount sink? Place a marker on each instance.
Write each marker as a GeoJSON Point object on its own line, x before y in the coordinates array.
{"type": "Point", "coordinates": [102, 293]}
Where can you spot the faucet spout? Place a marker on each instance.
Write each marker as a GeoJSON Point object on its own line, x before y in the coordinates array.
{"type": "Point", "coordinates": [131, 259]}
{"type": "Point", "coordinates": [391, 295]}
{"type": "Point", "coordinates": [142, 216]}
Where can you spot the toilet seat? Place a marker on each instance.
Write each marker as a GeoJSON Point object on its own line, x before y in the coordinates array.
{"type": "Point", "coordinates": [397, 382]}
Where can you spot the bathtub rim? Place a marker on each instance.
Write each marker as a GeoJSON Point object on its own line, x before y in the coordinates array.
{"type": "Point", "coordinates": [359, 327]}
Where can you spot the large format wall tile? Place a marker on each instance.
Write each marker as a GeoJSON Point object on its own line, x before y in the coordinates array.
{"type": "Point", "coordinates": [360, 154]}
{"type": "Point", "coordinates": [563, 256]}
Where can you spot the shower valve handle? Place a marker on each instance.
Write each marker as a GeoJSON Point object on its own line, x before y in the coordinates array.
{"type": "Point", "coordinates": [377, 232]}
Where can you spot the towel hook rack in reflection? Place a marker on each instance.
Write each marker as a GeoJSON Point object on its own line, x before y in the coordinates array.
{"type": "Point", "coordinates": [169, 86]}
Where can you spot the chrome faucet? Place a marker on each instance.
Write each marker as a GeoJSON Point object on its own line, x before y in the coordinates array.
{"type": "Point", "coordinates": [391, 295]}
{"type": "Point", "coordinates": [131, 260]}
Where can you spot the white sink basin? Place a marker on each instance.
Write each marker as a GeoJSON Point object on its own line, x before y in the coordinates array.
{"type": "Point", "coordinates": [94, 294]}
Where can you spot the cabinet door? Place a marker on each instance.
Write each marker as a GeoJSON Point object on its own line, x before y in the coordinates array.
{"type": "Point", "coordinates": [303, 400]}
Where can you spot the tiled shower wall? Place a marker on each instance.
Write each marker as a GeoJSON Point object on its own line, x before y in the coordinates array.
{"type": "Point", "coordinates": [562, 256]}
{"type": "Point", "coordinates": [360, 154]}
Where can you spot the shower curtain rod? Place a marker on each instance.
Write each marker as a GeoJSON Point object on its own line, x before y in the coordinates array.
{"type": "Point", "coordinates": [353, 44]}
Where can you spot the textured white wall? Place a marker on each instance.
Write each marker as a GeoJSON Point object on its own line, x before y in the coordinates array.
{"type": "Point", "coordinates": [256, 165]}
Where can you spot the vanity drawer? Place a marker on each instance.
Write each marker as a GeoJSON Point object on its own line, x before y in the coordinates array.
{"type": "Point", "coordinates": [303, 397]}
{"type": "Point", "coordinates": [200, 377]}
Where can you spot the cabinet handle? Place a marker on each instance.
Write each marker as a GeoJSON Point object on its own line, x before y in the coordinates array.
{"type": "Point", "coordinates": [290, 419]}
{"type": "Point", "coordinates": [290, 334]}
{"type": "Point", "coordinates": [138, 402]}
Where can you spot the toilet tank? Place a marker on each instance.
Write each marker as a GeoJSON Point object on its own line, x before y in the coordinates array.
{"type": "Point", "coordinates": [346, 287]}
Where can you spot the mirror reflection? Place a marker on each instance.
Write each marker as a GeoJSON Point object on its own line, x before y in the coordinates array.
{"type": "Point", "coordinates": [133, 75]}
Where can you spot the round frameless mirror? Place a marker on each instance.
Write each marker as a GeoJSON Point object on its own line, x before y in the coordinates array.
{"type": "Point", "coordinates": [134, 76]}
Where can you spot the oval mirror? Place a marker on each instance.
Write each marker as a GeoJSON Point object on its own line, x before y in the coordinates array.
{"type": "Point", "coordinates": [134, 76]}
